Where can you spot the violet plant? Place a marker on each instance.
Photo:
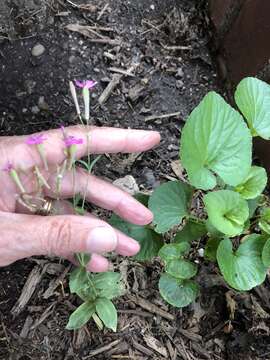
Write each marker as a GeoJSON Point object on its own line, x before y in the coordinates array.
{"type": "Point", "coordinates": [231, 226]}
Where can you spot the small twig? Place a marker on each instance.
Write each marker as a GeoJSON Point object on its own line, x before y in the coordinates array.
{"type": "Point", "coordinates": [106, 41]}
{"type": "Point", "coordinates": [102, 349]}
{"type": "Point", "coordinates": [153, 27]}
{"type": "Point", "coordinates": [176, 47]}
{"type": "Point", "coordinates": [121, 71]}
{"type": "Point", "coordinates": [164, 116]}
{"type": "Point", "coordinates": [72, 4]}
{"type": "Point", "coordinates": [109, 89]}
{"type": "Point", "coordinates": [102, 11]}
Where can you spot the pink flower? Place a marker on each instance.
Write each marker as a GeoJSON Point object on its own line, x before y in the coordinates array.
{"type": "Point", "coordinates": [8, 167]}
{"type": "Point", "coordinates": [72, 140]}
{"type": "Point", "coordinates": [88, 84]}
{"type": "Point", "coordinates": [36, 139]}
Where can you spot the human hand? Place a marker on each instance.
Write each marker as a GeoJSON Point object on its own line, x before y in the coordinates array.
{"type": "Point", "coordinates": [23, 234]}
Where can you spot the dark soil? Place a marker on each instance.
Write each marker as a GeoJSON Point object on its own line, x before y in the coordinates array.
{"type": "Point", "coordinates": [169, 43]}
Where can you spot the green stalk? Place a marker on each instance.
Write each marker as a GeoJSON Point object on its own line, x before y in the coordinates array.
{"type": "Point", "coordinates": [42, 154]}
{"type": "Point", "coordinates": [41, 180]}
{"type": "Point", "coordinates": [15, 177]}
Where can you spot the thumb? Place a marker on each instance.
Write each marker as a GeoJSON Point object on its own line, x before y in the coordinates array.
{"type": "Point", "coordinates": [27, 235]}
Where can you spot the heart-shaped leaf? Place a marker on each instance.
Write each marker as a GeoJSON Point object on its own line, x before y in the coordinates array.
{"type": "Point", "coordinates": [215, 140]}
{"type": "Point", "coordinates": [243, 269]}
{"type": "Point", "coordinates": [150, 242]}
{"type": "Point", "coordinates": [107, 313]}
{"type": "Point", "coordinates": [173, 251]}
{"type": "Point", "coordinates": [252, 96]}
{"type": "Point", "coordinates": [81, 315]}
{"type": "Point", "coordinates": [227, 211]}
{"type": "Point", "coordinates": [266, 254]}
{"type": "Point", "coordinates": [254, 183]}
{"type": "Point", "coordinates": [177, 292]}
{"type": "Point", "coordinates": [169, 204]}
{"type": "Point", "coordinates": [190, 232]}
{"type": "Point", "coordinates": [181, 269]}
{"type": "Point", "coordinates": [264, 222]}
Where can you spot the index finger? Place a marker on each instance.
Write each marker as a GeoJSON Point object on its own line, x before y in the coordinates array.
{"type": "Point", "coordinates": [96, 140]}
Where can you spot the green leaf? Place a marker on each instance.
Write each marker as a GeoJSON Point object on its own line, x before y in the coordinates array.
{"type": "Point", "coordinates": [78, 280]}
{"type": "Point", "coordinates": [212, 231]}
{"type": "Point", "coordinates": [210, 251]}
{"type": "Point", "coordinates": [169, 204]}
{"type": "Point", "coordinates": [109, 284]}
{"type": "Point", "coordinates": [148, 239]}
{"type": "Point", "coordinates": [243, 269]}
{"type": "Point", "coordinates": [227, 211]}
{"type": "Point", "coordinates": [106, 284]}
{"type": "Point", "coordinates": [215, 140]}
{"type": "Point", "coordinates": [264, 222]}
{"type": "Point", "coordinates": [266, 253]}
{"type": "Point", "coordinates": [254, 183]}
{"type": "Point", "coordinates": [81, 316]}
{"type": "Point", "coordinates": [173, 251]}
{"type": "Point", "coordinates": [253, 205]}
{"type": "Point", "coordinates": [177, 292]}
{"type": "Point", "coordinates": [83, 258]}
{"type": "Point", "coordinates": [142, 198]}
{"type": "Point", "coordinates": [107, 313]}
{"type": "Point", "coordinates": [181, 269]}
{"type": "Point", "coordinates": [252, 96]}
{"type": "Point", "coordinates": [190, 232]}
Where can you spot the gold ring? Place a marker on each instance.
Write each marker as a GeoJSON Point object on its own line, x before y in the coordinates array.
{"type": "Point", "coordinates": [46, 207]}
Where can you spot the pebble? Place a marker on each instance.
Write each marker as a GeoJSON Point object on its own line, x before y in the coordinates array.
{"type": "Point", "coordinates": [149, 177]}
{"type": "Point", "coordinates": [179, 73]}
{"type": "Point", "coordinates": [42, 104]}
{"type": "Point", "coordinates": [179, 84]}
{"type": "Point", "coordinates": [38, 50]}
{"type": "Point", "coordinates": [35, 110]}
{"type": "Point", "coordinates": [128, 184]}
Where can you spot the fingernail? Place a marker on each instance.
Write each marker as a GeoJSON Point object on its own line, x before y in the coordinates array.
{"type": "Point", "coordinates": [101, 239]}
{"type": "Point", "coordinates": [130, 248]}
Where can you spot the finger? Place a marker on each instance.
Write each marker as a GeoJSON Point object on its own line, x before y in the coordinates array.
{"type": "Point", "coordinates": [97, 263]}
{"type": "Point", "coordinates": [105, 195]}
{"type": "Point", "coordinates": [26, 235]}
{"type": "Point", "coordinates": [126, 246]}
{"type": "Point", "coordinates": [101, 140]}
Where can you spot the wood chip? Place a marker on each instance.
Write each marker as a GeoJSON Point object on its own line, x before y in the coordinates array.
{"type": "Point", "coordinates": [172, 351]}
{"type": "Point", "coordinates": [156, 345]}
{"type": "Point", "coordinates": [190, 335]}
{"type": "Point", "coordinates": [26, 327]}
{"type": "Point", "coordinates": [142, 348]}
{"type": "Point", "coordinates": [32, 281]}
{"type": "Point", "coordinates": [178, 169]}
{"type": "Point", "coordinates": [102, 349]}
{"type": "Point", "coordinates": [147, 305]}
{"type": "Point", "coordinates": [50, 291]}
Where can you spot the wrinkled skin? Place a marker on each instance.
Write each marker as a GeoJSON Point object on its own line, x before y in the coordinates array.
{"type": "Point", "coordinates": [23, 234]}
